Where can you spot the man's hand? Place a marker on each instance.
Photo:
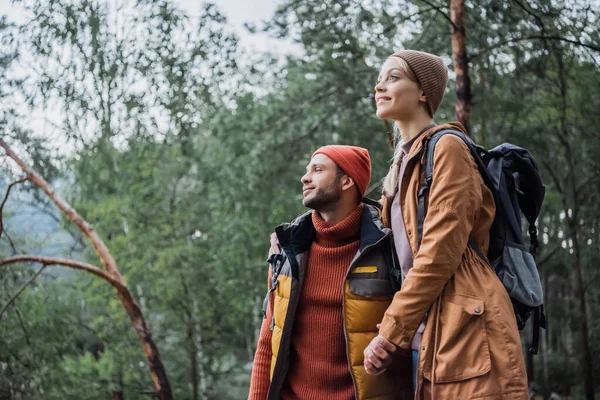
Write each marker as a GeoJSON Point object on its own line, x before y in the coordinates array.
{"type": "Point", "coordinates": [274, 245]}
{"type": "Point", "coordinates": [379, 355]}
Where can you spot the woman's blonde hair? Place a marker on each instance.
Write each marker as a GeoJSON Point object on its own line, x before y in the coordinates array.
{"type": "Point", "coordinates": [390, 182]}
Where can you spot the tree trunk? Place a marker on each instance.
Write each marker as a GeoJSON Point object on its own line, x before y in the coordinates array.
{"type": "Point", "coordinates": [193, 352]}
{"type": "Point", "coordinates": [544, 341]}
{"type": "Point", "coordinates": [529, 362]}
{"type": "Point", "coordinates": [588, 376]}
{"type": "Point", "coordinates": [112, 275]}
{"type": "Point", "coordinates": [571, 202]}
{"type": "Point", "coordinates": [200, 351]}
{"type": "Point", "coordinates": [119, 394]}
{"type": "Point", "coordinates": [482, 119]}
{"type": "Point", "coordinates": [460, 61]}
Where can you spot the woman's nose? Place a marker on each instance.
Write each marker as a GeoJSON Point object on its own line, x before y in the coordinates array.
{"type": "Point", "coordinates": [379, 87]}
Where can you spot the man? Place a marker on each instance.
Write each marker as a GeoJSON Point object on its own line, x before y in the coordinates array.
{"type": "Point", "coordinates": [328, 290]}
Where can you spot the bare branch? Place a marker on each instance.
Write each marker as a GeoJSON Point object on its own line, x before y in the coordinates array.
{"type": "Point", "coordinates": [21, 290]}
{"type": "Point", "coordinates": [440, 11]}
{"type": "Point", "coordinates": [395, 25]}
{"type": "Point", "coordinates": [112, 276]}
{"type": "Point", "coordinates": [534, 37]}
{"type": "Point", "coordinates": [373, 187]}
{"type": "Point", "coordinates": [50, 261]}
{"type": "Point", "coordinates": [107, 259]}
{"type": "Point", "coordinates": [554, 176]}
{"type": "Point", "coordinates": [45, 209]}
{"type": "Point", "coordinates": [310, 132]}
{"type": "Point", "coordinates": [20, 318]}
{"type": "Point", "coordinates": [10, 242]}
{"type": "Point", "coordinates": [552, 252]}
{"type": "Point", "coordinates": [534, 15]}
{"type": "Point", "coordinates": [585, 183]}
{"type": "Point", "coordinates": [4, 202]}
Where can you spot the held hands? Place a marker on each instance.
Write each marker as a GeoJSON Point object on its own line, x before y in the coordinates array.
{"type": "Point", "coordinates": [379, 355]}
{"type": "Point", "coordinates": [274, 244]}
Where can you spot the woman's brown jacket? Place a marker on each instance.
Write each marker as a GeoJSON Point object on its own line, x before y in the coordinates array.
{"type": "Point", "coordinates": [471, 347]}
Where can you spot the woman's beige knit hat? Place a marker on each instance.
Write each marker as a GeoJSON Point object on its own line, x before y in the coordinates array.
{"type": "Point", "coordinates": [431, 73]}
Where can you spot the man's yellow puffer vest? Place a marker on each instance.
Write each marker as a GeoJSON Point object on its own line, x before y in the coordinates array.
{"type": "Point", "coordinates": [368, 291]}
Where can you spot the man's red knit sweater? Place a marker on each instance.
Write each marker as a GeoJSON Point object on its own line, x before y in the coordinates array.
{"type": "Point", "coordinates": [319, 364]}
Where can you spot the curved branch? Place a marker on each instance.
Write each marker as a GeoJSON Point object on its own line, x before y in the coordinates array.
{"type": "Point", "coordinates": [10, 242]}
{"type": "Point", "coordinates": [531, 13]}
{"type": "Point", "coordinates": [440, 11]}
{"type": "Point", "coordinates": [111, 275]}
{"type": "Point", "coordinates": [107, 260]}
{"type": "Point", "coordinates": [553, 176]}
{"type": "Point", "coordinates": [4, 202]}
{"type": "Point", "coordinates": [21, 290]}
{"type": "Point", "coordinates": [534, 37]}
{"type": "Point", "coordinates": [50, 261]}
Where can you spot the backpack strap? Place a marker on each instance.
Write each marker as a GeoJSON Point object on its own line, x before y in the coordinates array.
{"type": "Point", "coordinates": [478, 153]}
{"type": "Point", "coordinates": [429, 147]}
{"type": "Point", "coordinates": [395, 270]}
{"type": "Point", "coordinates": [539, 321]}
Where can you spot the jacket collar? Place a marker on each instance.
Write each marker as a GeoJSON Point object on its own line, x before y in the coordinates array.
{"type": "Point", "coordinates": [299, 234]}
{"type": "Point", "coordinates": [417, 147]}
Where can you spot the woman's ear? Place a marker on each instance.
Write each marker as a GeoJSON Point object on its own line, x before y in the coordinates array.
{"type": "Point", "coordinates": [422, 97]}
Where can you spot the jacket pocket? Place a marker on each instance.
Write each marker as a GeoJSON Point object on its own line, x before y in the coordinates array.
{"type": "Point", "coordinates": [363, 285]}
{"type": "Point", "coordinates": [463, 350]}
{"type": "Point", "coordinates": [371, 277]}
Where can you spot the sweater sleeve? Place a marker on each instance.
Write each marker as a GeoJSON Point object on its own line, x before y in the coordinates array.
{"type": "Point", "coordinates": [260, 381]}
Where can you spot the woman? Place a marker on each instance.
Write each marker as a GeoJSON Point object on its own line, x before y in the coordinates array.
{"type": "Point", "coordinates": [452, 310]}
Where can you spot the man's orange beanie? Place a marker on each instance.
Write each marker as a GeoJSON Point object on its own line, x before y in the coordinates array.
{"type": "Point", "coordinates": [354, 161]}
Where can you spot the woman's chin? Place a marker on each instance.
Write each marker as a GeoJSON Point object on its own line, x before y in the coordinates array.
{"type": "Point", "coordinates": [382, 113]}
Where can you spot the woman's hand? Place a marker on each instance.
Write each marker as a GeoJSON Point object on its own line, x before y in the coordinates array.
{"type": "Point", "coordinates": [379, 355]}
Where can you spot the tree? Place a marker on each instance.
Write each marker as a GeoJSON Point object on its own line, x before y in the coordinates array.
{"type": "Point", "coordinates": [112, 275]}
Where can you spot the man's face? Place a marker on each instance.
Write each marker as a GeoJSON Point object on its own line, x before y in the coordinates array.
{"type": "Point", "coordinates": [321, 185]}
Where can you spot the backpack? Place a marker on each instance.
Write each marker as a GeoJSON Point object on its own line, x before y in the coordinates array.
{"type": "Point", "coordinates": [511, 173]}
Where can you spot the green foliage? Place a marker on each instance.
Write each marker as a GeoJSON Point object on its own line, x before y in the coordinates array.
{"type": "Point", "coordinates": [185, 160]}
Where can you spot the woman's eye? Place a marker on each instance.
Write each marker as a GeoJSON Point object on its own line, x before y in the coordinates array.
{"type": "Point", "coordinates": [393, 77]}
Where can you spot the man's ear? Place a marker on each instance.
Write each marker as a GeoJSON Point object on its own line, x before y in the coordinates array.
{"type": "Point", "coordinates": [347, 182]}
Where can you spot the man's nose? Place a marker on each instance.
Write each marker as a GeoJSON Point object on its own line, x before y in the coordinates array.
{"type": "Point", "coordinates": [305, 179]}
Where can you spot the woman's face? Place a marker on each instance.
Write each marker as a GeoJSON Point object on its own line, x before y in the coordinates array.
{"type": "Point", "coordinates": [397, 96]}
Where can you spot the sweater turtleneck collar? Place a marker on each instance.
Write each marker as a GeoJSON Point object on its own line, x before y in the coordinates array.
{"type": "Point", "coordinates": [342, 233]}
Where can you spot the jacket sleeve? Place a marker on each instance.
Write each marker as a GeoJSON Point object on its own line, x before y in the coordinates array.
{"type": "Point", "coordinates": [261, 369]}
{"type": "Point", "coordinates": [454, 199]}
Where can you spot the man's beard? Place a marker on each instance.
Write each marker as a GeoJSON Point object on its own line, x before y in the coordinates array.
{"type": "Point", "coordinates": [324, 199]}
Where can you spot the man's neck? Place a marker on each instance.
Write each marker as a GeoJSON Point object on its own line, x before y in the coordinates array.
{"type": "Point", "coordinates": [337, 213]}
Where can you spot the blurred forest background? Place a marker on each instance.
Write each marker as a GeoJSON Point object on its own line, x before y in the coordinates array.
{"type": "Point", "coordinates": [183, 151]}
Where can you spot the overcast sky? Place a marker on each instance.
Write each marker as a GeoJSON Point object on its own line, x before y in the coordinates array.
{"type": "Point", "coordinates": [237, 11]}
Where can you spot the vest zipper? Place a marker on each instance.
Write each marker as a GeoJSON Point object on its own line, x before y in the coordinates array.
{"type": "Point", "coordinates": [282, 360]}
{"type": "Point", "coordinates": [344, 309]}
